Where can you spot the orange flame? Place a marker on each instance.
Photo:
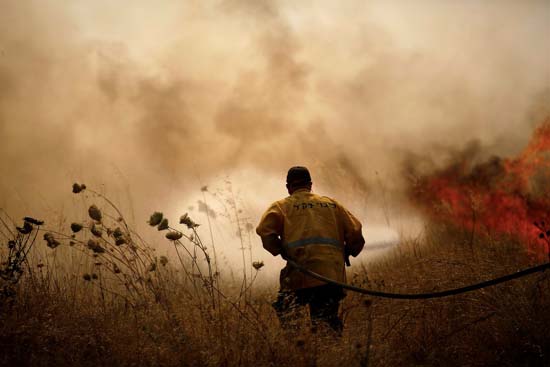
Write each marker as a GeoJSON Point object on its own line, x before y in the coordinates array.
{"type": "Point", "coordinates": [501, 196]}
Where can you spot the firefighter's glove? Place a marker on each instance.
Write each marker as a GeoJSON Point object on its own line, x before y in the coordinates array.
{"type": "Point", "coordinates": [346, 256]}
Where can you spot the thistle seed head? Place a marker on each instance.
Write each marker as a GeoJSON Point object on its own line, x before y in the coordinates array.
{"type": "Point", "coordinates": [95, 247]}
{"type": "Point", "coordinates": [163, 225]}
{"type": "Point", "coordinates": [94, 213]}
{"type": "Point", "coordinates": [36, 222]}
{"type": "Point", "coordinates": [174, 236]}
{"type": "Point", "coordinates": [76, 188]}
{"type": "Point", "coordinates": [96, 231]}
{"type": "Point", "coordinates": [76, 227]}
{"type": "Point", "coordinates": [51, 242]}
{"type": "Point", "coordinates": [120, 241]}
{"type": "Point", "coordinates": [117, 232]}
{"type": "Point", "coordinates": [185, 219]}
{"type": "Point", "coordinates": [155, 219]}
{"type": "Point", "coordinates": [26, 229]}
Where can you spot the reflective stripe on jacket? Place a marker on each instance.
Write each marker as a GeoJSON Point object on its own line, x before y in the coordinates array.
{"type": "Point", "coordinates": [314, 231]}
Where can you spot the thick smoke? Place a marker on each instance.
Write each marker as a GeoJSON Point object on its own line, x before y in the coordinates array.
{"type": "Point", "coordinates": [153, 100]}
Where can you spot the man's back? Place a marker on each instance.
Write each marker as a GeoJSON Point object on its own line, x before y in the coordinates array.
{"type": "Point", "coordinates": [316, 232]}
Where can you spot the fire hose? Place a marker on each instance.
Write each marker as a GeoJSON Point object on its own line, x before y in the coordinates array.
{"type": "Point", "coordinates": [439, 294]}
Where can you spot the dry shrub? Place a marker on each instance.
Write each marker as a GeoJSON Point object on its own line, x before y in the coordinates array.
{"type": "Point", "coordinates": [112, 301]}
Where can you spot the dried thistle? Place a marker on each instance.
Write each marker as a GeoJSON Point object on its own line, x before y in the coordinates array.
{"type": "Point", "coordinates": [117, 232]}
{"type": "Point", "coordinates": [26, 229]}
{"type": "Point", "coordinates": [50, 240]}
{"type": "Point", "coordinates": [94, 213]}
{"type": "Point", "coordinates": [87, 277]}
{"type": "Point", "coordinates": [36, 222]}
{"type": "Point", "coordinates": [258, 265]}
{"type": "Point", "coordinates": [77, 188]}
{"type": "Point", "coordinates": [95, 247]}
{"type": "Point", "coordinates": [163, 225]}
{"type": "Point", "coordinates": [155, 219]}
{"type": "Point", "coordinates": [120, 241]}
{"type": "Point", "coordinates": [76, 227]}
{"type": "Point", "coordinates": [96, 231]}
{"type": "Point", "coordinates": [94, 276]}
{"type": "Point", "coordinates": [174, 236]}
{"type": "Point", "coordinates": [185, 219]}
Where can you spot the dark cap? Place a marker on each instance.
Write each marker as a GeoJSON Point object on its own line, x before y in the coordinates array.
{"type": "Point", "coordinates": [298, 176]}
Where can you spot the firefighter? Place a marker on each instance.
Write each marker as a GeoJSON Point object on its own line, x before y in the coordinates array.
{"type": "Point", "coordinates": [317, 233]}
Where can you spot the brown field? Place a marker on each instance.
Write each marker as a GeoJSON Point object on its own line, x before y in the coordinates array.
{"type": "Point", "coordinates": [81, 303]}
{"type": "Point", "coordinates": [429, 120]}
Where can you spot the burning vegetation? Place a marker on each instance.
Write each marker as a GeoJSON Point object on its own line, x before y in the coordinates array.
{"type": "Point", "coordinates": [498, 197]}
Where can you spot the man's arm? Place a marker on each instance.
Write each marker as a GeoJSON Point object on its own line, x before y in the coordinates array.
{"type": "Point", "coordinates": [353, 235]}
{"type": "Point", "coordinates": [270, 230]}
{"type": "Point", "coordinates": [273, 244]}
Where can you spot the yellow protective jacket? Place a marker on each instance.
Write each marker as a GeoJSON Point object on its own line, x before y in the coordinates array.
{"type": "Point", "coordinates": [314, 231]}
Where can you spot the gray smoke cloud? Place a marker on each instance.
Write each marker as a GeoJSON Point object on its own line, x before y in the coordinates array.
{"type": "Point", "coordinates": [149, 101]}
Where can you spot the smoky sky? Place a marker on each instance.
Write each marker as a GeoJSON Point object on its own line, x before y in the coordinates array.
{"type": "Point", "coordinates": [159, 98]}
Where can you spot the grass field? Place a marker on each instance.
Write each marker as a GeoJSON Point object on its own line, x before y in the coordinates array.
{"type": "Point", "coordinates": [96, 294]}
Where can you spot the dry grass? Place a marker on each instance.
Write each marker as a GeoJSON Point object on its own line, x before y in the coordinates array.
{"type": "Point", "coordinates": [124, 306]}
